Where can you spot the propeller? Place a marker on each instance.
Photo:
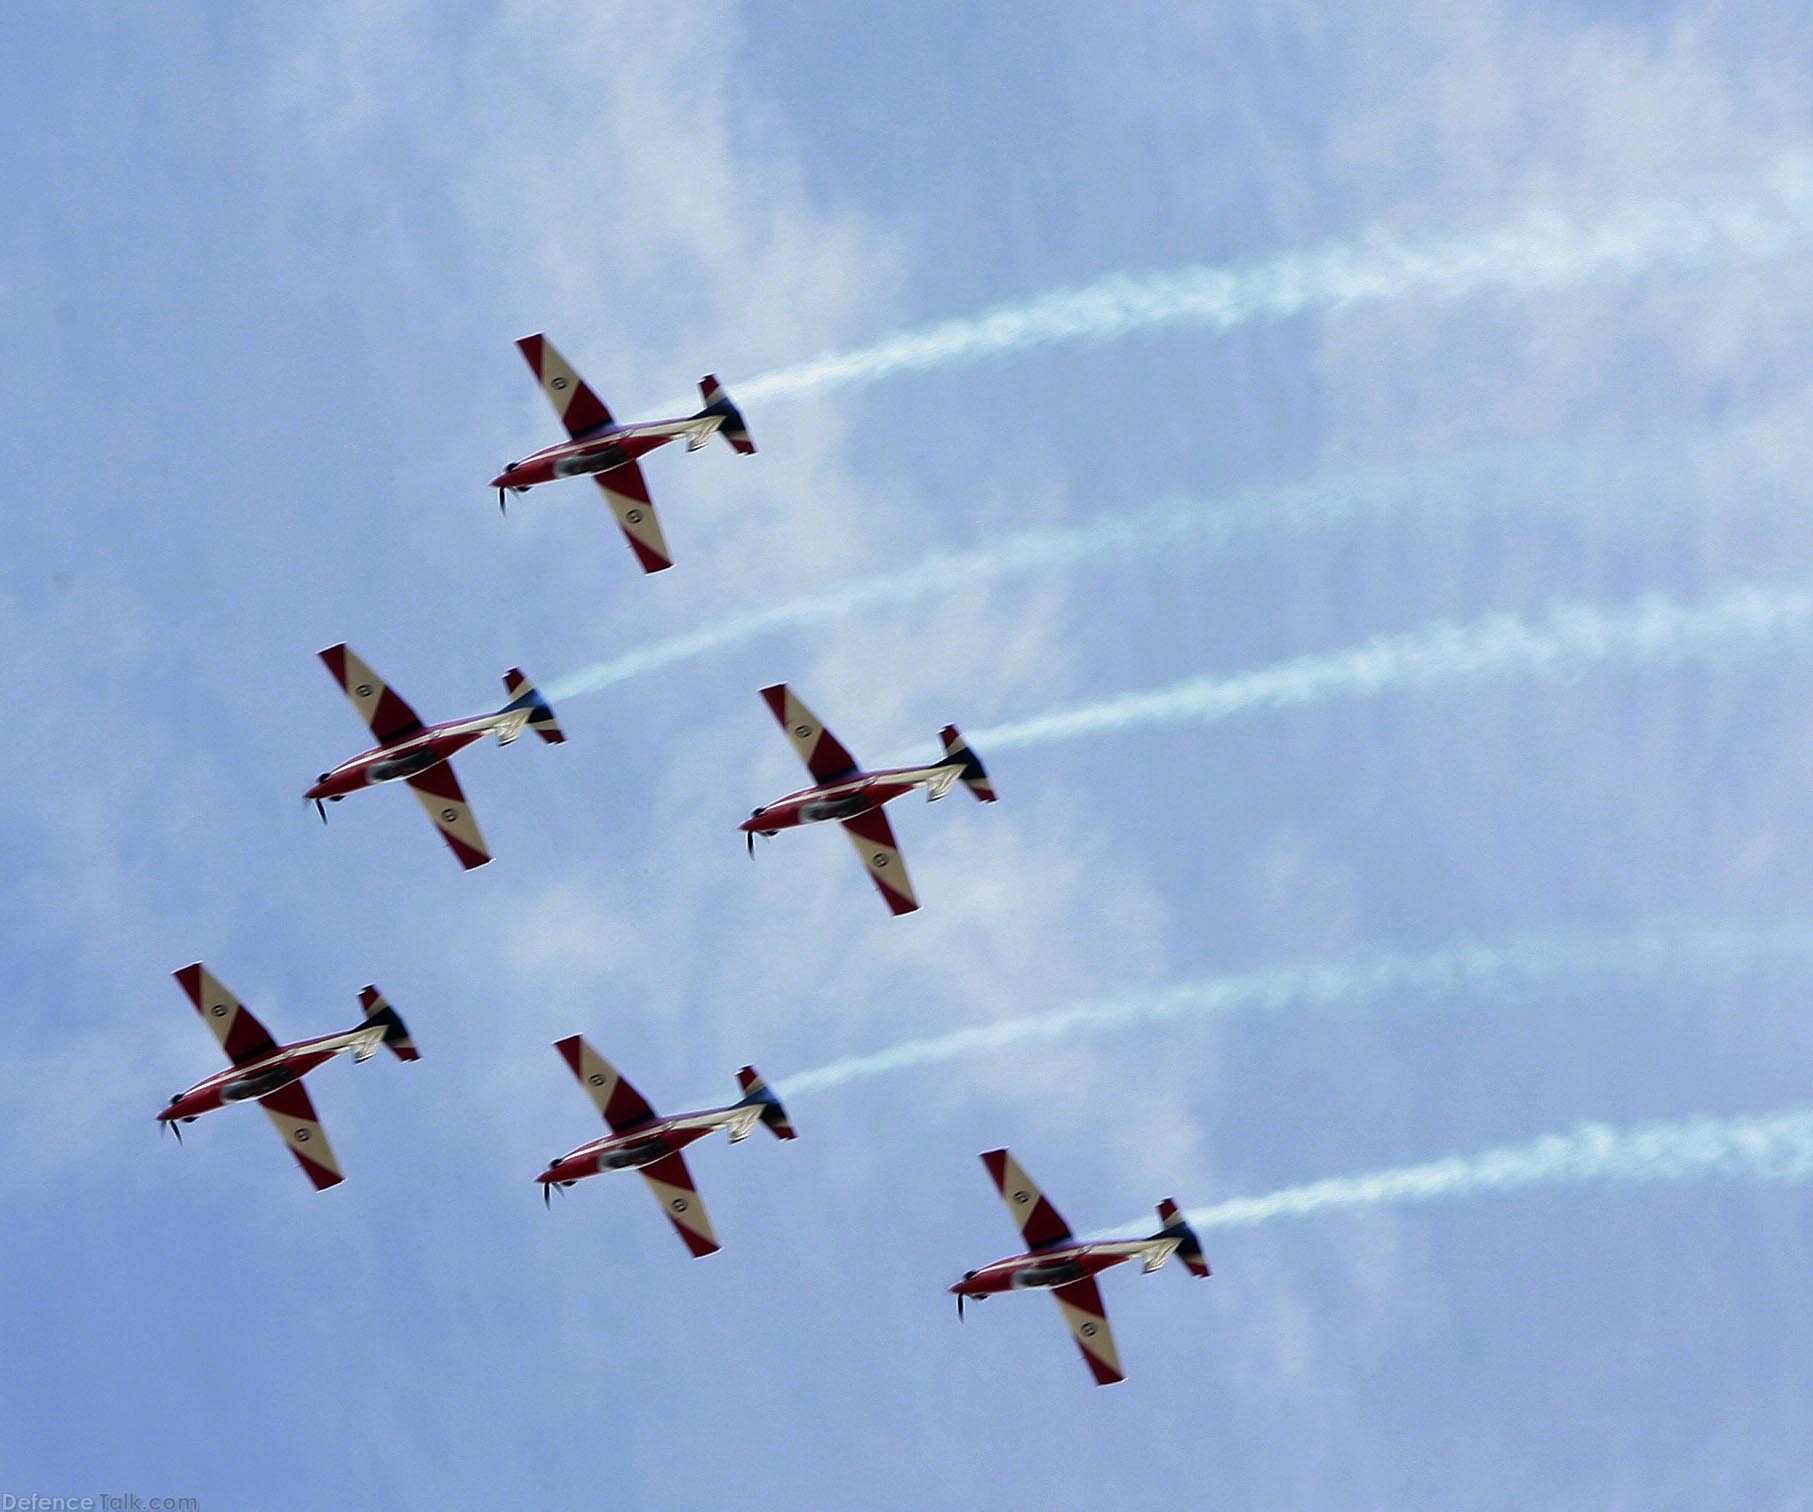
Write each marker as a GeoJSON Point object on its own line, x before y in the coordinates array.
{"type": "Point", "coordinates": [501, 509]}
{"type": "Point", "coordinates": [321, 809]}
{"type": "Point", "coordinates": [959, 1307]}
{"type": "Point", "coordinates": [547, 1187]}
{"type": "Point", "coordinates": [749, 835]}
{"type": "Point", "coordinates": [174, 1128]}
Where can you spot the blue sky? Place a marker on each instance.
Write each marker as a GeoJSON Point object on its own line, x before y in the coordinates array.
{"type": "Point", "coordinates": [260, 285]}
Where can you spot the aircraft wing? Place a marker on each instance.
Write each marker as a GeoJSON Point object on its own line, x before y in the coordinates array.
{"type": "Point", "coordinates": [240, 1034]}
{"type": "Point", "coordinates": [438, 790]}
{"type": "Point", "coordinates": [671, 1183]}
{"type": "Point", "coordinates": [575, 405]}
{"type": "Point", "coordinates": [626, 491]}
{"type": "Point", "coordinates": [622, 1106]}
{"type": "Point", "coordinates": [874, 840]}
{"type": "Point", "coordinates": [293, 1116]}
{"type": "Point", "coordinates": [1041, 1225]}
{"type": "Point", "coordinates": [824, 755]}
{"type": "Point", "coordinates": [1081, 1304]}
{"type": "Point", "coordinates": [380, 707]}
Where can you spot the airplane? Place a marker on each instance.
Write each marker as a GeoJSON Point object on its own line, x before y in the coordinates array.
{"type": "Point", "coordinates": [417, 754]}
{"type": "Point", "coordinates": [640, 1141]}
{"type": "Point", "coordinates": [604, 450]}
{"type": "Point", "coordinates": [1056, 1262]}
{"type": "Point", "coordinates": [271, 1074]}
{"type": "Point", "coordinates": [856, 797]}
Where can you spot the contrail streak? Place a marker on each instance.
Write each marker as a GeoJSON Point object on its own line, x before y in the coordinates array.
{"type": "Point", "coordinates": [1543, 251]}
{"type": "Point", "coordinates": [1571, 638]}
{"type": "Point", "coordinates": [1033, 551]}
{"type": "Point", "coordinates": [1560, 474]}
{"type": "Point", "coordinates": [1772, 1147]}
{"type": "Point", "coordinates": [1464, 968]}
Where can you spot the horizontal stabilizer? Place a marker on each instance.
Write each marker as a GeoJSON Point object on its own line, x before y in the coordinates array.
{"type": "Point", "coordinates": [756, 1092]}
{"type": "Point", "coordinates": [730, 426]}
{"type": "Point", "coordinates": [396, 1032]}
{"type": "Point", "coordinates": [974, 776]}
{"type": "Point", "coordinates": [541, 712]}
{"type": "Point", "coordinates": [1189, 1249]}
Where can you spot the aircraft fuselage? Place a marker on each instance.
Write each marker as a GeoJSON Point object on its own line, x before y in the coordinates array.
{"type": "Point", "coordinates": [845, 798]}
{"type": "Point", "coordinates": [1059, 1265]}
{"type": "Point", "coordinates": [635, 1148]}
{"type": "Point", "coordinates": [261, 1077]}
{"type": "Point", "coordinates": [597, 451]}
{"type": "Point", "coordinates": [405, 758]}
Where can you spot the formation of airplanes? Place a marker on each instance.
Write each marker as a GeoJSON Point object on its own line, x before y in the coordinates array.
{"type": "Point", "coordinates": [420, 756]}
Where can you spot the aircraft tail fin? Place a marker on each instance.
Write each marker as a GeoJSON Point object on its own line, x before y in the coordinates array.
{"type": "Point", "coordinates": [973, 775]}
{"type": "Point", "coordinates": [396, 1032]}
{"type": "Point", "coordinates": [731, 427]}
{"type": "Point", "coordinates": [541, 712]}
{"type": "Point", "coordinates": [1189, 1248]}
{"type": "Point", "coordinates": [756, 1092]}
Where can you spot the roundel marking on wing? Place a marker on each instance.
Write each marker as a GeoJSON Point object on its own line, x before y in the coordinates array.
{"type": "Point", "coordinates": [363, 690]}
{"type": "Point", "coordinates": [219, 1010]}
{"type": "Point", "coordinates": [596, 1079]}
{"type": "Point", "coordinates": [449, 814]}
{"type": "Point", "coordinates": [679, 1204]}
{"type": "Point", "coordinates": [559, 383]}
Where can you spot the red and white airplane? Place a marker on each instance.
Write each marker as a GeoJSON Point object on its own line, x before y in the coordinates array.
{"type": "Point", "coordinates": [639, 1141]}
{"type": "Point", "coordinates": [409, 751]}
{"type": "Point", "coordinates": [1066, 1268]}
{"type": "Point", "coordinates": [855, 797]}
{"type": "Point", "coordinates": [271, 1074]}
{"type": "Point", "coordinates": [604, 450]}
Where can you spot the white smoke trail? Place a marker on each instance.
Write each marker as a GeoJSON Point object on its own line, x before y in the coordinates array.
{"type": "Point", "coordinates": [1570, 639]}
{"type": "Point", "coordinates": [1772, 1147]}
{"type": "Point", "coordinates": [1544, 251]}
{"type": "Point", "coordinates": [1559, 474]}
{"type": "Point", "coordinates": [1465, 969]}
{"type": "Point", "coordinates": [1036, 551]}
